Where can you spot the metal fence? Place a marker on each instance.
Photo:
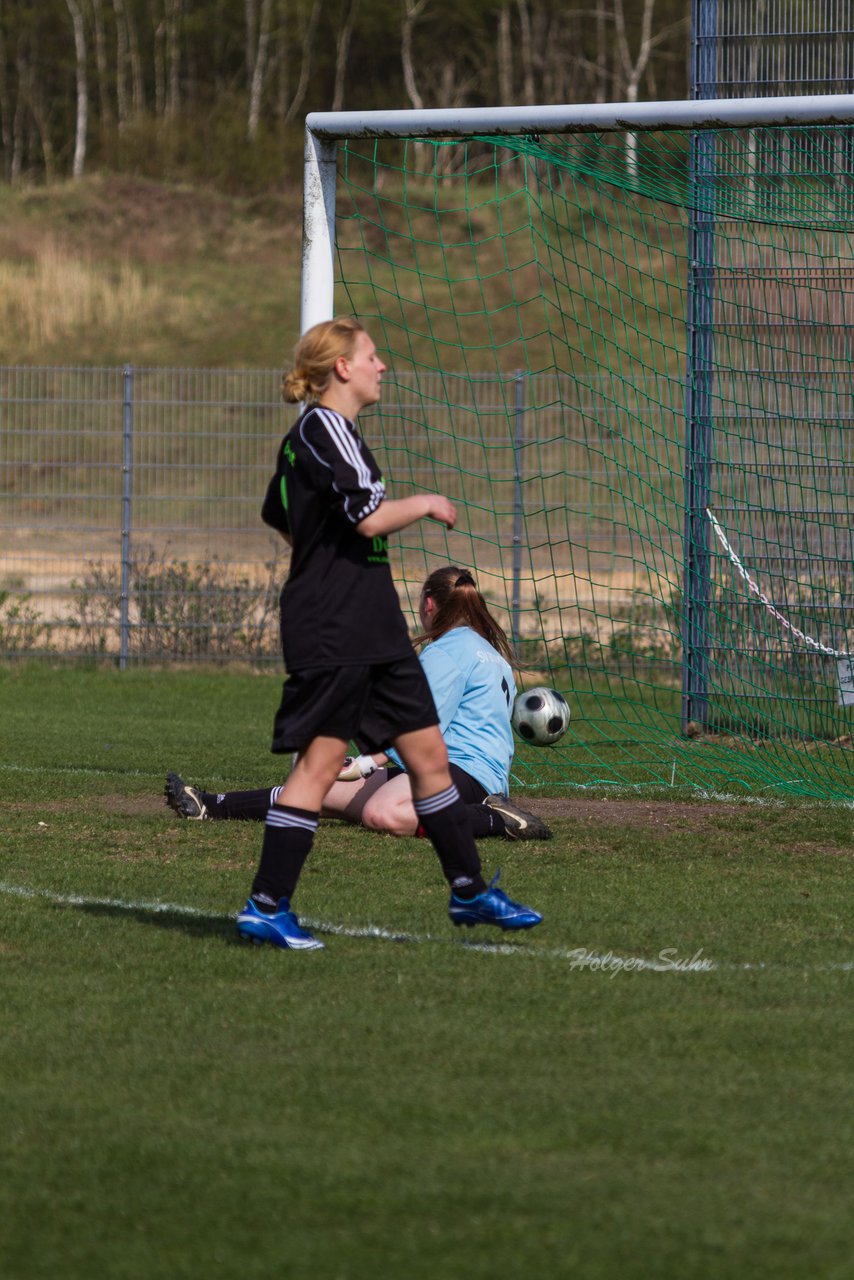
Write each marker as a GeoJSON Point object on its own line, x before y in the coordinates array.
{"type": "Point", "coordinates": [129, 512]}
{"type": "Point", "coordinates": [129, 501]}
{"type": "Point", "coordinates": [746, 49]}
{"type": "Point", "coordinates": [772, 48]}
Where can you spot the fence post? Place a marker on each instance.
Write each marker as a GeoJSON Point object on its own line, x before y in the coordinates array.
{"type": "Point", "coordinates": [127, 476]}
{"type": "Point", "coordinates": [518, 442]}
{"type": "Point", "coordinates": [697, 587]}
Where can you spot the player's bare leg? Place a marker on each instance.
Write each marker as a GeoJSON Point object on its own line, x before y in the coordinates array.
{"type": "Point", "coordinates": [316, 769]}
{"type": "Point", "coordinates": [347, 800]}
{"type": "Point", "coordinates": [390, 808]}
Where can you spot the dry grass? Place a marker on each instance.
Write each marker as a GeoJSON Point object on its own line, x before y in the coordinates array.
{"type": "Point", "coordinates": [59, 294]}
{"type": "Point", "coordinates": [115, 269]}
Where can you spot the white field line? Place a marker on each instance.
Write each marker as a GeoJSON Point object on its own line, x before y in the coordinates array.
{"type": "Point", "coordinates": [73, 768]}
{"type": "Point", "coordinates": [578, 957]}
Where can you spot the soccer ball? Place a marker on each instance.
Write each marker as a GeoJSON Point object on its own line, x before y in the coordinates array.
{"type": "Point", "coordinates": [540, 716]}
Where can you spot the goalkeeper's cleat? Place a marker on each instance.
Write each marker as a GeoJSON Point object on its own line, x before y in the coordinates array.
{"type": "Point", "coordinates": [280, 928]}
{"type": "Point", "coordinates": [492, 907]}
{"type": "Point", "coordinates": [518, 823]}
{"type": "Point", "coordinates": [186, 801]}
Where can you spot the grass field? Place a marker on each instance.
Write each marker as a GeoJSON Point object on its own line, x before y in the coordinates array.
{"type": "Point", "coordinates": [656, 1083]}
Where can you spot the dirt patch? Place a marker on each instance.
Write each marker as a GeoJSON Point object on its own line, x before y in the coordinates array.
{"type": "Point", "coordinates": [126, 806]}
{"type": "Point", "coordinates": [664, 816]}
{"type": "Point", "coordinates": [661, 815]}
{"type": "Point", "coordinates": [133, 806]}
{"type": "Point", "coordinates": [629, 813]}
{"type": "Point", "coordinates": [819, 851]}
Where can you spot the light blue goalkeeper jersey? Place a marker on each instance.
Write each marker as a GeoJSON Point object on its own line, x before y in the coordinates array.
{"type": "Point", "coordinates": [473, 688]}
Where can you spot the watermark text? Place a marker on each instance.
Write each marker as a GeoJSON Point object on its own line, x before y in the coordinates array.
{"type": "Point", "coordinates": [667, 960]}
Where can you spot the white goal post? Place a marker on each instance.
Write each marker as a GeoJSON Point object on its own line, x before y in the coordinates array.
{"type": "Point", "coordinates": [324, 129]}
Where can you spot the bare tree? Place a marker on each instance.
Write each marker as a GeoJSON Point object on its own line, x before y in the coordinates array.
{"type": "Point", "coordinates": [523, 50]}
{"type": "Point", "coordinates": [173, 14]}
{"type": "Point", "coordinates": [412, 11]}
{"type": "Point", "coordinates": [121, 63]}
{"type": "Point", "coordinates": [17, 157]}
{"type": "Point", "coordinates": [251, 9]}
{"type": "Point", "coordinates": [257, 54]}
{"type": "Point", "coordinates": [556, 56]}
{"type": "Point", "coordinates": [5, 106]}
{"type": "Point", "coordinates": [504, 56]}
{"type": "Point", "coordinates": [31, 125]}
{"type": "Point", "coordinates": [633, 69]}
{"type": "Point", "coordinates": [279, 60]}
{"type": "Point", "coordinates": [79, 162]}
{"type": "Point", "coordinates": [345, 35]}
{"type": "Point", "coordinates": [526, 49]}
{"type": "Point", "coordinates": [305, 62]}
{"type": "Point", "coordinates": [127, 57]}
{"type": "Point", "coordinates": [104, 105]}
{"type": "Point", "coordinates": [136, 77]}
{"type": "Point", "coordinates": [159, 67]}
{"type": "Point", "coordinates": [601, 53]}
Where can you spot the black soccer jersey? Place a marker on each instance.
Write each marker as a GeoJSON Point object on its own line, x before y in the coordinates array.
{"type": "Point", "coordinates": [339, 605]}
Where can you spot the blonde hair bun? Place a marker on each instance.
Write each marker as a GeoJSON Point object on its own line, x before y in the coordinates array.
{"type": "Point", "coordinates": [315, 356]}
{"type": "Point", "coordinates": [295, 387]}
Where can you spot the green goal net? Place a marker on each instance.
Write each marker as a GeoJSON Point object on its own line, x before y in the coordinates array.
{"type": "Point", "coordinates": [627, 358]}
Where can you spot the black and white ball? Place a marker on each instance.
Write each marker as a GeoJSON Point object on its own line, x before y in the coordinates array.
{"type": "Point", "coordinates": [540, 716]}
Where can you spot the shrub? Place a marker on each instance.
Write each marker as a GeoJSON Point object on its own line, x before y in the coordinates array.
{"type": "Point", "coordinates": [178, 609]}
{"type": "Point", "coordinates": [22, 628]}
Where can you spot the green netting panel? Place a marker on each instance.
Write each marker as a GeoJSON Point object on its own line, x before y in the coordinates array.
{"type": "Point", "coordinates": [532, 298]}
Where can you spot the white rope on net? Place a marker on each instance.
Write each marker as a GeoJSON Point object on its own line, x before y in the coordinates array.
{"type": "Point", "coordinates": [753, 586]}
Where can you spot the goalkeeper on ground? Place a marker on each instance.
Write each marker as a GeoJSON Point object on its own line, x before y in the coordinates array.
{"type": "Point", "coordinates": [466, 659]}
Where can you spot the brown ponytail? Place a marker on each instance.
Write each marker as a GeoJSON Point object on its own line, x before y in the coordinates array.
{"type": "Point", "coordinates": [460, 604]}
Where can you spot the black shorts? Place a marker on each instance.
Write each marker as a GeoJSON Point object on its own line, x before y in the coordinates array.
{"type": "Point", "coordinates": [371, 705]}
{"type": "Point", "coordinates": [471, 791]}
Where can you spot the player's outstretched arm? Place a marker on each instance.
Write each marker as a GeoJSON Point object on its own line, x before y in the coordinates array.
{"type": "Point", "coordinates": [398, 513]}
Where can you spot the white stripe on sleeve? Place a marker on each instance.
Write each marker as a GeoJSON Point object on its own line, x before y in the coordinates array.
{"type": "Point", "coordinates": [341, 437]}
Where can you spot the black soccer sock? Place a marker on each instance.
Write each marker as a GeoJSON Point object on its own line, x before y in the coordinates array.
{"type": "Point", "coordinates": [248, 805]}
{"type": "Point", "coordinates": [288, 836]}
{"type": "Point", "coordinates": [444, 818]}
{"type": "Point", "coordinates": [485, 822]}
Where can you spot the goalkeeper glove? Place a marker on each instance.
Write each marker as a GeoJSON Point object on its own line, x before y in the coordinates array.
{"type": "Point", "coordinates": [356, 767]}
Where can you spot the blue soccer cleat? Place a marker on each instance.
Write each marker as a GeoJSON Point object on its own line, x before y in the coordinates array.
{"type": "Point", "coordinates": [281, 929]}
{"type": "Point", "coordinates": [492, 907]}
